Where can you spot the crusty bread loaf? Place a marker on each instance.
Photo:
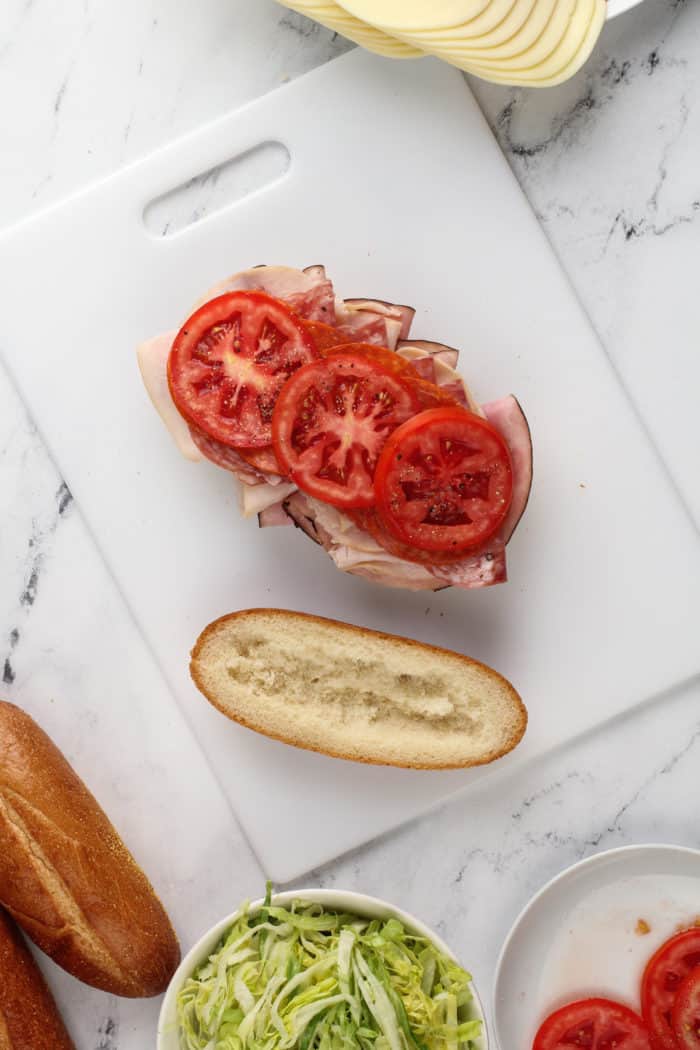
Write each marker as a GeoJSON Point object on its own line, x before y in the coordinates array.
{"type": "Point", "coordinates": [29, 1018]}
{"type": "Point", "coordinates": [66, 876]}
{"type": "Point", "coordinates": [354, 693]}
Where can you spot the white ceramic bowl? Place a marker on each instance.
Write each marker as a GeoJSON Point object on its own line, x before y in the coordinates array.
{"type": "Point", "coordinates": [337, 900]}
{"type": "Point", "coordinates": [578, 937]}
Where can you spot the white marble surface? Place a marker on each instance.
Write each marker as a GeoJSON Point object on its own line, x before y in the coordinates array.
{"type": "Point", "coordinates": [610, 164]}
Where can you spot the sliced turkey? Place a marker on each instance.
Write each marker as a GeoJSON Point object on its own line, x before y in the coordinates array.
{"type": "Point", "coordinates": [152, 357]}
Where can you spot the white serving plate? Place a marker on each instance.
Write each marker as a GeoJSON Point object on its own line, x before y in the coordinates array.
{"type": "Point", "coordinates": [341, 900]}
{"type": "Point", "coordinates": [576, 938]}
{"type": "Point", "coordinates": [618, 7]}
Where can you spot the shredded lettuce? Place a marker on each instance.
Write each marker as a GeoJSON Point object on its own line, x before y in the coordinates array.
{"type": "Point", "coordinates": [301, 978]}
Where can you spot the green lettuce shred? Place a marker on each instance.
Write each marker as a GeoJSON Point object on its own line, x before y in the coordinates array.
{"type": "Point", "coordinates": [301, 978]}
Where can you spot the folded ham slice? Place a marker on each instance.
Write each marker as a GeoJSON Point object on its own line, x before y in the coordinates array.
{"type": "Point", "coordinates": [308, 292]}
{"type": "Point", "coordinates": [356, 552]}
{"type": "Point", "coordinates": [439, 351]}
{"type": "Point", "coordinates": [508, 417]}
{"type": "Point", "coordinates": [353, 550]}
{"type": "Point", "coordinates": [274, 515]}
{"type": "Point", "coordinates": [437, 363]}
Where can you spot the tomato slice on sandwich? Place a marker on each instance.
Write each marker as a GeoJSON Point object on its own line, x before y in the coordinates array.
{"type": "Point", "coordinates": [428, 394]}
{"type": "Point", "coordinates": [229, 361]}
{"type": "Point", "coordinates": [593, 1024]}
{"type": "Point", "coordinates": [330, 424]}
{"type": "Point", "coordinates": [444, 481]}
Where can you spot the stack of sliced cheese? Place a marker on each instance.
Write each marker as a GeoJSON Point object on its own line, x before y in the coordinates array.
{"type": "Point", "coordinates": [536, 43]}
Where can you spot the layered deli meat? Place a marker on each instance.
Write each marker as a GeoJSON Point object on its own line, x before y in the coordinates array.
{"type": "Point", "coordinates": [334, 420]}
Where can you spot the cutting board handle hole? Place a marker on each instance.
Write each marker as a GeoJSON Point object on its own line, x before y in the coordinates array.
{"type": "Point", "coordinates": [211, 191]}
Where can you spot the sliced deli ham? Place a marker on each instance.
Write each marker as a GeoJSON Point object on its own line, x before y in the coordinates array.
{"type": "Point", "coordinates": [356, 552]}
{"type": "Point", "coordinates": [273, 516]}
{"type": "Point", "coordinates": [483, 568]}
{"type": "Point", "coordinates": [437, 364]}
{"type": "Point", "coordinates": [255, 499]}
{"type": "Point", "coordinates": [353, 550]}
{"type": "Point", "coordinates": [392, 311]}
{"type": "Point", "coordinates": [373, 321]}
{"type": "Point", "coordinates": [277, 501]}
{"type": "Point", "coordinates": [152, 357]}
{"type": "Point", "coordinates": [439, 351]}
{"type": "Point", "coordinates": [508, 417]}
{"type": "Point", "coordinates": [308, 292]}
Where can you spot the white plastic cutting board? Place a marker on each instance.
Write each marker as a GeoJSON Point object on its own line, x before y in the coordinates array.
{"type": "Point", "coordinates": [397, 185]}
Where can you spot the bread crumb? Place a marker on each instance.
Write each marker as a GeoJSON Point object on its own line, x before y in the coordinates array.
{"type": "Point", "coordinates": [642, 928]}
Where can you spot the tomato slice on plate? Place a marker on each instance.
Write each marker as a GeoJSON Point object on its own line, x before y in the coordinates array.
{"type": "Point", "coordinates": [229, 361]}
{"type": "Point", "coordinates": [444, 481]}
{"type": "Point", "coordinates": [593, 1024]}
{"type": "Point", "coordinates": [685, 1016]}
{"type": "Point", "coordinates": [663, 976]}
{"type": "Point", "coordinates": [330, 424]}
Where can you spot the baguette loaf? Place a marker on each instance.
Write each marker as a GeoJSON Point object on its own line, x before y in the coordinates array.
{"type": "Point", "coordinates": [66, 876]}
{"type": "Point", "coordinates": [29, 1018]}
{"type": "Point", "coordinates": [356, 694]}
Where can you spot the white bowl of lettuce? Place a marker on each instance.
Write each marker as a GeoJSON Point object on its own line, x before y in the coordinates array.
{"type": "Point", "coordinates": [321, 970]}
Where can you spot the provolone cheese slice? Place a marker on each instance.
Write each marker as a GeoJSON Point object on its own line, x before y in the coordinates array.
{"type": "Point", "coordinates": [409, 15]}
{"type": "Point", "coordinates": [341, 21]}
{"type": "Point", "coordinates": [532, 43]}
{"type": "Point", "coordinates": [496, 24]}
{"type": "Point", "coordinates": [538, 61]}
{"type": "Point", "coordinates": [556, 68]}
{"type": "Point", "coordinates": [522, 53]}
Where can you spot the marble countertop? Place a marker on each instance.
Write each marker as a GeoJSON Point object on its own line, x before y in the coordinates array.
{"type": "Point", "coordinates": [609, 162]}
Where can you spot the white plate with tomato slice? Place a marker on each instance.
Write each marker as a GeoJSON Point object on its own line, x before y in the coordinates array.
{"type": "Point", "coordinates": [606, 957]}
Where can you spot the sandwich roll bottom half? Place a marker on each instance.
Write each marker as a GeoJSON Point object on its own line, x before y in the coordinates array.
{"type": "Point", "coordinates": [29, 1018]}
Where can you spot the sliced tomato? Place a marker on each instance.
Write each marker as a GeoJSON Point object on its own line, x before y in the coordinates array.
{"type": "Point", "coordinates": [685, 1016]}
{"type": "Point", "coordinates": [429, 395]}
{"type": "Point", "coordinates": [229, 361]}
{"type": "Point", "coordinates": [663, 976]}
{"type": "Point", "coordinates": [330, 424]}
{"type": "Point", "coordinates": [444, 481]}
{"type": "Point", "coordinates": [263, 459]}
{"type": "Point", "coordinates": [593, 1024]}
{"type": "Point", "coordinates": [369, 520]}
